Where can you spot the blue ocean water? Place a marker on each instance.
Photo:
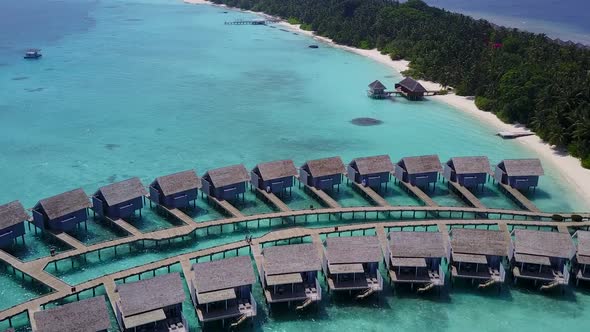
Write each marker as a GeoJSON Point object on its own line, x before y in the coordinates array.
{"type": "Point", "coordinates": [567, 20]}
{"type": "Point", "coordinates": [149, 87]}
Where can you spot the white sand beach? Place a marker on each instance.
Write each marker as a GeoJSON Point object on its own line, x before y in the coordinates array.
{"type": "Point", "coordinates": [570, 168]}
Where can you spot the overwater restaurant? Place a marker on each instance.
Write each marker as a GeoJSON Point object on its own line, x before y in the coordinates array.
{"type": "Point", "coordinates": [222, 291]}
{"type": "Point", "coordinates": [176, 190]}
{"type": "Point", "coordinates": [352, 264]}
{"type": "Point", "coordinates": [289, 274]}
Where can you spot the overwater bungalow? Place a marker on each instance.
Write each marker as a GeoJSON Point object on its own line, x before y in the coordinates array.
{"type": "Point", "coordinates": [542, 257]}
{"type": "Point", "coordinates": [377, 90]}
{"type": "Point", "coordinates": [371, 171]}
{"type": "Point", "coordinates": [120, 199]}
{"type": "Point", "coordinates": [225, 183]}
{"type": "Point", "coordinates": [153, 305]}
{"type": "Point", "coordinates": [478, 255]}
{"type": "Point", "coordinates": [175, 190]}
{"type": "Point", "coordinates": [12, 223]}
{"type": "Point", "coordinates": [582, 261]}
{"type": "Point", "coordinates": [415, 258]}
{"type": "Point", "coordinates": [410, 89]}
{"type": "Point", "coordinates": [62, 212]}
{"type": "Point", "coordinates": [322, 173]}
{"type": "Point", "coordinates": [222, 290]}
{"type": "Point", "coordinates": [419, 171]}
{"type": "Point", "coordinates": [90, 315]}
{"type": "Point", "coordinates": [274, 177]}
{"type": "Point", "coordinates": [352, 264]}
{"type": "Point", "coordinates": [469, 172]}
{"type": "Point", "coordinates": [519, 173]}
{"type": "Point", "coordinates": [289, 274]}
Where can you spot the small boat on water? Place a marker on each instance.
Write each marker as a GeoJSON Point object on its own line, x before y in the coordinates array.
{"type": "Point", "coordinates": [33, 53]}
{"type": "Point", "coordinates": [313, 46]}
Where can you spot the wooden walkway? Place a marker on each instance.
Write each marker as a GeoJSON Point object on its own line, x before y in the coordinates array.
{"type": "Point", "coordinates": [421, 195]}
{"type": "Point", "coordinates": [324, 197]}
{"type": "Point", "coordinates": [35, 269]}
{"type": "Point", "coordinates": [69, 240]}
{"type": "Point", "coordinates": [125, 226]}
{"type": "Point", "coordinates": [277, 202]}
{"type": "Point", "coordinates": [519, 198]}
{"type": "Point", "coordinates": [369, 192]}
{"type": "Point", "coordinates": [227, 207]}
{"type": "Point", "coordinates": [466, 195]}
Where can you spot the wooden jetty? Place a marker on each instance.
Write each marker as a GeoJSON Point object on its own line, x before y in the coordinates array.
{"type": "Point", "coordinates": [226, 206]}
{"type": "Point", "coordinates": [519, 198]}
{"type": "Point", "coordinates": [514, 134]}
{"type": "Point", "coordinates": [371, 194]}
{"type": "Point", "coordinates": [324, 197]}
{"type": "Point", "coordinates": [418, 193]}
{"type": "Point", "coordinates": [69, 240]}
{"type": "Point", "coordinates": [252, 22]}
{"type": "Point", "coordinates": [272, 198]}
{"type": "Point", "coordinates": [466, 195]}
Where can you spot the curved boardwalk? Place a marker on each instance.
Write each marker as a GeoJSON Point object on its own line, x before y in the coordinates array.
{"type": "Point", "coordinates": [453, 215]}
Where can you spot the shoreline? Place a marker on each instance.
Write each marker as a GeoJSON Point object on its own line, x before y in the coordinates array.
{"type": "Point", "coordinates": [569, 168]}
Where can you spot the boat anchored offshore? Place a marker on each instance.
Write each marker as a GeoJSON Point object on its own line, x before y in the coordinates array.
{"type": "Point", "coordinates": [33, 53]}
{"type": "Point", "coordinates": [313, 46]}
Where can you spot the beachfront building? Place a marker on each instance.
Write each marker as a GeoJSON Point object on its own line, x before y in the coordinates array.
{"type": "Point", "coordinates": [153, 305]}
{"type": "Point", "coordinates": [371, 171]}
{"type": "Point", "coordinates": [478, 255]}
{"type": "Point", "coordinates": [120, 199]}
{"type": "Point", "coordinates": [470, 172]}
{"type": "Point", "coordinates": [352, 264]}
{"type": "Point", "coordinates": [274, 177]}
{"type": "Point", "coordinates": [12, 223]}
{"type": "Point", "coordinates": [90, 315]}
{"type": "Point", "coordinates": [519, 173]}
{"type": "Point", "coordinates": [62, 212]}
{"type": "Point", "coordinates": [419, 171]}
{"type": "Point", "coordinates": [582, 266]}
{"type": "Point", "coordinates": [322, 173]}
{"type": "Point", "coordinates": [415, 258]}
{"type": "Point", "coordinates": [289, 274]}
{"type": "Point", "coordinates": [410, 89]}
{"type": "Point", "coordinates": [542, 256]}
{"type": "Point", "coordinates": [175, 191]}
{"type": "Point", "coordinates": [222, 291]}
{"type": "Point", "coordinates": [225, 183]}
{"type": "Point", "coordinates": [377, 90]}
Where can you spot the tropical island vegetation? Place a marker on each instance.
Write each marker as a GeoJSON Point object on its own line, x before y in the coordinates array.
{"type": "Point", "coordinates": [520, 76]}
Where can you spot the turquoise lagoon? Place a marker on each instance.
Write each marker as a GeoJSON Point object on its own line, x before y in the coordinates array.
{"type": "Point", "coordinates": [150, 87]}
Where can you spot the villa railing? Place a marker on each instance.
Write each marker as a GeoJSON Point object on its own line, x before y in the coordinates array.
{"type": "Point", "coordinates": [254, 305]}
{"type": "Point", "coordinates": [502, 272]}
{"type": "Point", "coordinates": [441, 274]}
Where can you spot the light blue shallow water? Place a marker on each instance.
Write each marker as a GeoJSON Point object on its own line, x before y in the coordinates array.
{"type": "Point", "coordinates": [150, 87]}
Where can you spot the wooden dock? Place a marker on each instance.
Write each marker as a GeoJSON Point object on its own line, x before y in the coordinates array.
{"type": "Point", "coordinates": [127, 227]}
{"type": "Point", "coordinates": [274, 200]}
{"type": "Point", "coordinates": [421, 195]}
{"type": "Point", "coordinates": [519, 198]}
{"type": "Point", "coordinates": [466, 195]}
{"type": "Point", "coordinates": [251, 22]}
{"type": "Point", "coordinates": [369, 192]}
{"type": "Point", "coordinates": [69, 240]}
{"type": "Point", "coordinates": [226, 206]}
{"type": "Point", "coordinates": [324, 197]}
